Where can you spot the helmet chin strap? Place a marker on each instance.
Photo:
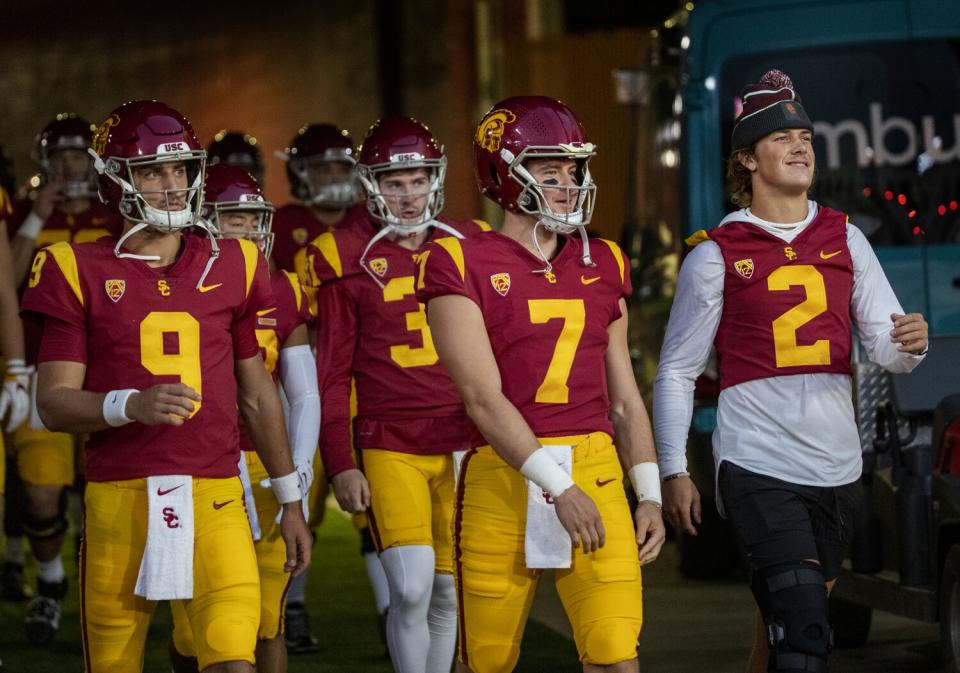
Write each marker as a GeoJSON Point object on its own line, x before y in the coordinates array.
{"type": "Point", "coordinates": [214, 251]}
{"type": "Point", "coordinates": [548, 269]}
{"type": "Point", "coordinates": [388, 229]}
{"type": "Point", "coordinates": [135, 229]}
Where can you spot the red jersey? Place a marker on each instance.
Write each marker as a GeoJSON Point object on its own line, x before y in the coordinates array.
{"type": "Point", "coordinates": [275, 324]}
{"type": "Point", "coordinates": [786, 307]}
{"type": "Point", "coordinates": [548, 331]}
{"type": "Point", "coordinates": [138, 326]}
{"type": "Point", "coordinates": [379, 337]}
{"type": "Point", "coordinates": [295, 225]}
{"type": "Point", "coordinates": [95, 222]}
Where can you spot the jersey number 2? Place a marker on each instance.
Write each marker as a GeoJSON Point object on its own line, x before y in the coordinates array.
{"type": "Point", "coordinates": [789, 353]}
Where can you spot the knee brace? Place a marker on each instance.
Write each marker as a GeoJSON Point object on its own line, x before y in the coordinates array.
{"type": "Point", "coordinates": [37, 528]}
{"type": "Point", "coordinates": [610, 641]}
{"type": "Point", "coordinates": [793, 600]}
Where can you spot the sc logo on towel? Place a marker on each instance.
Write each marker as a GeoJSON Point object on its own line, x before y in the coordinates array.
{"type": "Point", "coordinates": [170, 517]}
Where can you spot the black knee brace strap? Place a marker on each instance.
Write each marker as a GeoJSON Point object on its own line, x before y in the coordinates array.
{"type": "Point", "coordinates": [50, 527]}
{"type": "Point", "coordinates": [793, 600]}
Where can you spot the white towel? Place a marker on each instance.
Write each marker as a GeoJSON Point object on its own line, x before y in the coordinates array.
{"type": "Point", "coordinates": [546, 542]}
{"type": "Point", "coordinates": [35, 422]}
{"type": "Point", "coordinates": [166, 571]}
{"type": "Point", "coordinates": [248, 501]}
{"type": "Point", "coordinates": [458, 457]}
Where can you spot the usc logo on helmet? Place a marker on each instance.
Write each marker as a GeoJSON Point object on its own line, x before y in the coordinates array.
{"type": "Point", "coordinates": [490, 131]}
{"type": "Point", "coordinates": [100, 137]}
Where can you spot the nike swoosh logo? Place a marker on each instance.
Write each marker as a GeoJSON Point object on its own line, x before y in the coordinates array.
{"type": "Point", "coordinates": [601, 484]}
{"type": "Point", "coordinates": [207, 288]}
{"type": "Point", "coordinates": [587, 281]}
{"type": "Point", "coordinates": [221, 505]}
{"type": "Point", "coordinates": [161, 491]}
{"type": "Point", "coordinates": [266, 311]}
{"type": "Point", "coordinates": [828, 255]}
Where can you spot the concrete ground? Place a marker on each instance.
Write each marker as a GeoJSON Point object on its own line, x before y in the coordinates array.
{"type": "Point", "coordinates": [695, 626]}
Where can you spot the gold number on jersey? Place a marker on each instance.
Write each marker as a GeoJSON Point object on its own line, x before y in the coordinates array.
{"type": "Point", "coordinates": [185, 362]}
{"type": "Point", "coordinates": [267, 338]}
{"type": "Point", "coordinates": [789, 353]}
{"type": "Point", "coordinates": [422, 263]}
{"type": "Point", "coordinates": [554, 389]}
{"type": "Point", "coordinates": [410, 356]}
{"type": "Point", "coordinates": [35, 269]}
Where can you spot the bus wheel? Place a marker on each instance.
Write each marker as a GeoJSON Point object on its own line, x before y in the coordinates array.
{"type": "Point", "coordinates": [850, 623]}
{"type": "Point", "coordinates": [950, 610]}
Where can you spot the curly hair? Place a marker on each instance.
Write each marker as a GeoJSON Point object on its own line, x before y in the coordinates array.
{"type": "Point", "coordinates": [739, 188]}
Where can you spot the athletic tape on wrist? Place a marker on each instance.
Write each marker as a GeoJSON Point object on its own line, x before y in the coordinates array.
{"type": "Point", "coordinates": [287, 488]}
{"type": "Point", "coordinates": [115, 407]}
{"type": "Point", "coordinates": [544, 471]}
{"type": "Point", "coordinates": [645, 478]}
{"type": "Point", "coordinates": [31, 226]}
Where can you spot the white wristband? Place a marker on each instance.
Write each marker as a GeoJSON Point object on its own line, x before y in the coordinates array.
{"type": "Point", "coordinates": [544, 471]}
{"type": "Point", "coordinates": [287, 488]}
{"type": "Point", "coordinates": [645, 478]}
{"type": "Point", "coordinates": [31, 226]}
{"type": "Point", "coordinates": [115, 407]}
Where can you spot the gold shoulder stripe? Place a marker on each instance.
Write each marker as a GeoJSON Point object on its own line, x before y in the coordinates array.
{"type": "Point", "coordinates": [6, 205]}
{"type": "Point", "coordinates": [453, 248]}
{"type": "Point", "coordinates": [327, 245]}
{"type": "Point", "coordinates": [67, 261]}
{"type": "Point", "coordinates": [483, 225]}
{"type": "Point", "coordinates": [251, 253]}
{"type": "Point", "coordinates": [697, 238]}
{"type": "Point", "coordinates": [295, 284]}
{"type": "Point", "coordinates": [617, 255]}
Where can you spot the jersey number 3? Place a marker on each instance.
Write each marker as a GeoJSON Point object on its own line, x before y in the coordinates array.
{"type": "Point", "coordinates": [789, 353]}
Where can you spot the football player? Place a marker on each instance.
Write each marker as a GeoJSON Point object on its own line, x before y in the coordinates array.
{"type": "Point", "coordinates": [66, 208]}
{"type": "Point", "coordinates": [531, 323]}
{"type": "Point", "coordinates": [150, 345]}
{"type": "Point", "coordinates": [409, 418]}
{"type": "Point", "coordinates": [234, 207]}
{"type": "Point", "coordinates": [778, 287]}
{"type": "Point", "coordinates": [320, 168]}
{"type": "Point", "coordinates": [235, 148]}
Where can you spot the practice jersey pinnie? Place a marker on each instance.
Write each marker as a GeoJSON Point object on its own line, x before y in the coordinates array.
{"type": "Point", "coordinates": [275, 324]}
{"type": "Point", "coordinates": [375, 331]}
{"type": "Point", "coordinates": [548, 330]}
{"type": "Point", "coordinates": [138, 326]}
{"type": "Point", "coordinates": [786, 307]}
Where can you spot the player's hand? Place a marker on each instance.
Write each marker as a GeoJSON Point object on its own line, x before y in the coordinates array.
{"type": "Point", "coordinates": [681, 504]}
{"type": "Point", "coordinates": [162, 404]}
{"type": "Point", "coordinates": [910, 331]}
{"type": "Point", "coordinates": [581, 519]}
{"type": "Point", "coordinates": [296, 535]}
{"type": "Point", "coordinates": [15, 398]}
{"type": "Point", "coordinates": [651, 533]}
{"type": "Point", "coordinates": [48, 197]}
{"type": "Point", "coordinates": [352, 490]}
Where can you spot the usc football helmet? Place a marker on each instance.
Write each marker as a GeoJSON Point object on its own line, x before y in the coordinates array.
{"type": "Point", "coordinates": [236, 149]}
{"type": "Point", "coordinates": [141, 134]}
{"type": "Point", "coordinates": [533, 127]}
{"type": "Point", "coordinates": [401, 143]}
{"type": "Point", "coordinates": [314, 146]}
{"type": "Point", "coordinates": [230, 189]}
{"type": "Point", "coordinates": [67, 131]}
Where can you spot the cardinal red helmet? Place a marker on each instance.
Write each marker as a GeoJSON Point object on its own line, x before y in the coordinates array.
{"type": "Point", "coordinates": [235, 148]}
{"type": "Point", "coordinates": [67, 131]}
{"type": "Point", "coordinates": [524, 127]}
{"type": "Point", "coordinates": [141, 134]}
{"type": "Point", "coordinates": [313, 148]}
{"type": "Point", "coordinates": [230, 189]}
{"type": "Point", "coordinates": [401, 143]}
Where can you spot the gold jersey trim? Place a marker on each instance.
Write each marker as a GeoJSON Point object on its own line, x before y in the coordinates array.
{"type": "Point", "coordinates": [251, 254]}
{"type": "Point", "coordinates": [617, 255]}
{"type": "Point", "coordinates": [67, 261]}
{"type": "Point", "coordinates": [453, 248]}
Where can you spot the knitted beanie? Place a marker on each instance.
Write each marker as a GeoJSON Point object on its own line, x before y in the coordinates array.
{"type": "Point", "coordinates": [769, 105]}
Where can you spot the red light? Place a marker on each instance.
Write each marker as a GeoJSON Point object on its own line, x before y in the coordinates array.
{"type": "Point", "coordinates": [912, 214]}
{"type": "Point", "coordinates": [916, 231]}
{"type": "Point", "coordinates": [941, 209]}
{"type": "Point", "coordinates": [902, 199]}
{"type": "Point", "coordinates": [953, 205]}
{"type": "Point", "coordinates": [867, 192]}
{"type": "Point", "coordinates": [888, 195]}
